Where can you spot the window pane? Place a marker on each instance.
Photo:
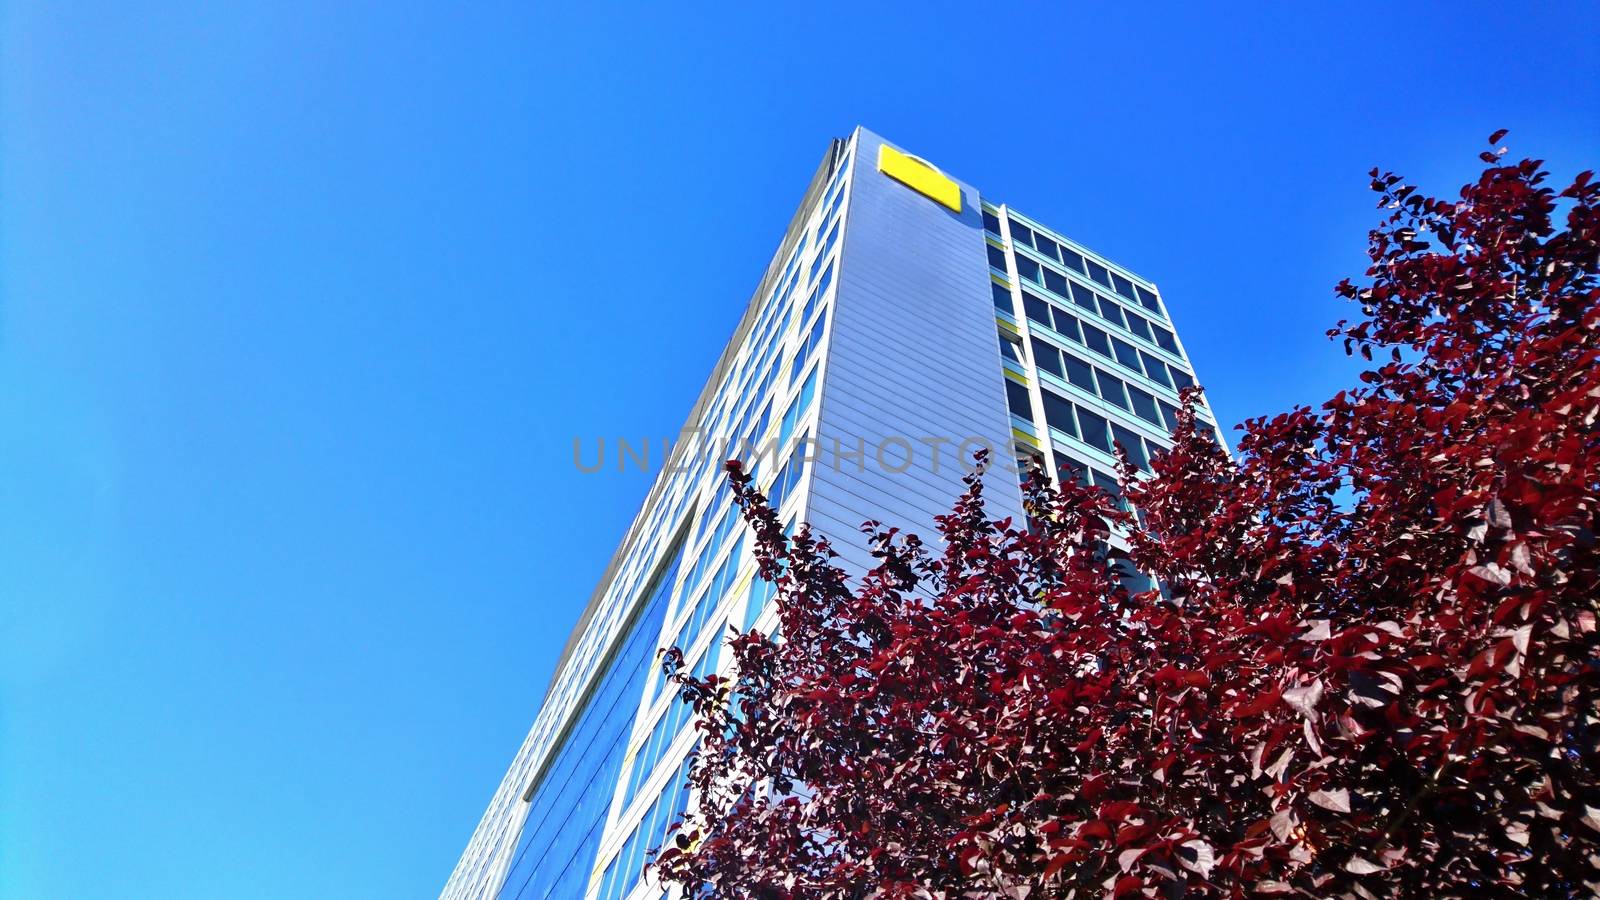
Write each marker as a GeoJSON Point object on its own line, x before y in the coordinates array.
{"type": "Point", "coordinates": [1166, 341]}
{"type": "Point", "coordinates": [1139, 325]}
{"type": "Point", "coordinates": [1072, 260]}
{"type": "Point", "coordinates": [1028, 269]}
{"type": "Point", "coordinates": [1017, 400]}
{"type": "Point", "coordinates": [1170, 414]}
{"type": "Point", "coordinates": [1066, 324]}
{"type": "Point", "coordinates": [1127, 355]}
{"type": "Point", "coordinates": [1021, 234]}
{"type": "Point", "coordinates": [1112, 312]}
{"type": "Point", "coordinates": [1122, 285]}
{"type": "Point", "coordinates": [1096, 340]}
{"type": "Point", "coordinates": [1055, 281]}
{"type": "Point", "coordinates": [997, 257]}
{"type": "Point", "coordinates": [1095, 432]}
{"type": "Point", "coordinates": [1009, 350]}
{"type": "Point", "coordinates": [991, 223]}
{"type": "Point", "coordinates": [1156, 369]}
{"type": "Point", "coordinates": [1133, 580]}
{"type": "Point", "coordinates": [1046, 357]}
{"type": "Point", "coordinates": [1112, 389]}
{"type": "Point", "coordinates": [1045, 246]}
{"type": "Point", "coordinates": [1098, 274]}
{"type": "Point", "coordinates": [1002, 297]}
{"type": "Point", "coordinates": [1069, 468]}
{"type": "Point", "coordinates": [1144, 405]}
{"type": "Point", "coordinates": [1180, 378]}
{"type": "Point", "coordinates": [1080, 373]}
{"type": "Point", "coordinates": [1131, 443]}
{"type": "Point", "coordinates": [1084, 298]}
{"type": "Point", "coordinates": [1058, 412]}
{"type": "Point", "coordinates": [1036, 309]}
{"type": "Point", "coordinates": [1148, 300]}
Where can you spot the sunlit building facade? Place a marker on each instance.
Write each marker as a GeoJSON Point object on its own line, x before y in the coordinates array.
{"type": "Point", "coordinates": [904, 322]}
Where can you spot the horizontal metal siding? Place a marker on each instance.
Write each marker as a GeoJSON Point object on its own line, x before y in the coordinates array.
{"type": "Point", "coordinates": [912, 353]}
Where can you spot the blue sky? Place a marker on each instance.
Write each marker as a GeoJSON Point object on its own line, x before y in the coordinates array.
{"type": "Point", "coordinates": [301, 308]}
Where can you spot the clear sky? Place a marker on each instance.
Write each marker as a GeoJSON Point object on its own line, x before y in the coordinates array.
{"type": "Point", "coordinates": [302, 306]}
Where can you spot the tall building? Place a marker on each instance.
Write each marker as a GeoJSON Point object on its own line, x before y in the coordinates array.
{"type": "Point", "coordinates": [904, 322]}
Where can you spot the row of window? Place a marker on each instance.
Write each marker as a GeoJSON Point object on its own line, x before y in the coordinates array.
{"type": "Point", "coordinates": [765, 342]}
{"type": "Point", "coordinates": [1087, 426]}
{"type": "Point", "coordinates": [1115, 349]}
{"type": "Point", "coordinates": [561, 837]}
{"type": "Point", "coordinates": [772, 324]}
{"type": "Point", "coordinates": [1084, 298]}
{"type": "Point", "coordinates": [808, 346]}
{"type": "Point", "coordinates": [788, 477]}
{"type": "Point", "coordinates": [628, 866]}
{"type": "Point", "coordinates": [1047, 247]}
{"type": "Point", "coordinates": [797, 409]}
{"type": "Point", "coordinates": [1097, 381]}
{"type": "Point", "coordinates": [729, 513]}
{"type": "Point", "coordinates": [712, 598]}
{"type": "Point", "coordinates": [656, 745]}
{"type": "Point", "coordinates": [1112, 312]}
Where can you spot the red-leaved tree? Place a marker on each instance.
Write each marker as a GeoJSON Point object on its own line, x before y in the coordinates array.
{"type": "Point", "coordinates": [1373, 669]}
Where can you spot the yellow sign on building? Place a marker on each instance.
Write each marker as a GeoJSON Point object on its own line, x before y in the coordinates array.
{"type": "Point", "coordinates": [920, 176]}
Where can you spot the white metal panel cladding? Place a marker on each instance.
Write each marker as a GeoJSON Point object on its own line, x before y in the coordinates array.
{"type": "Point", "coordinates": [913, 354]}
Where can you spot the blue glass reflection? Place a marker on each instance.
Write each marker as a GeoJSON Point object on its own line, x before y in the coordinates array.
{"type": "Point", "coordinates": [561, 837]}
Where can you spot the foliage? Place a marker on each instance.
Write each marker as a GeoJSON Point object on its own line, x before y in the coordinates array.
{"type": "Point", "coordinates": [1371, 669]}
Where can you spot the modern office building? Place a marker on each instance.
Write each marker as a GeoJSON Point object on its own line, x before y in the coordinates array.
{"type": "Point", "coordinates": [904, 322]}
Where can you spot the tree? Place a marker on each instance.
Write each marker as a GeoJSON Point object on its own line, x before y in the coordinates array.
{"type": "Point", "coordinates": [1370, 669]}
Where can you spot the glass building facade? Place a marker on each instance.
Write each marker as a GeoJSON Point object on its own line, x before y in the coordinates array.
{"type": "Point", "coordinates": [904, 322]}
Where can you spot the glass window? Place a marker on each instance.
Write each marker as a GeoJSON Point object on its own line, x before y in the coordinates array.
{"type": "Point", "coordinates": [1056, 282]}
{"type": "Point", "coordinates": [1135, 581]}
{"type": "Point", "coordinates": [1139, 325]}
{"type": "Point", "coordinates": [1166, 341]}
{"type": "Point", "coordinates": [991, 222]}
{"type": "Point", "coordinates": [1112, 389]}
{"type": "Point", "coordinates": [1084, 298]}
{"type": "Point", "coordinates": [1067, 467]}
{"type": "Point", "coordinates": [1108, 484]}
{"type": "Point", "coordinates": [1046, 357]}
{"type": "Point", "coordinates": [1096, 340]}
{"type": "Point", "coordinates": [1156, 369]}
{"type": "Point", "coordinates": [1045, 246]}
{"type": "Point", "coordinates": [1028, 269]}
{"type": "Point", "coordinates": [1080, 373]}
{"type": "Point", "coordinates": [1072, 260]}
{"type": "Point", "coordinates": [568, 808]}
{"type": "Point", "coordinates": [1067, 324]}
{"type": "Point", "coordinates": [1170, 414]}
{"type": "Point", "coordinates": [1122, 285]}
{"type": "Point", "coordinates": [761, 590]}
{"type": "Point", "coordinates": [1008, 349]}
{"type": "Point", "coordinates": [1112, 312]}
{"type": "Point", "coordinates": [1021, 234]}
{"type": "Point", "coordinates": [1147, 299]}
{"type": "Point", "coordinates": [1095, 431]}
{"type": "Point", "coordinates": [797, 408]}
{"type": "Point", "coordinates": [1144, 405]}
{"type": "Point", "coordinates": [1126, 354]}
{"type": "Point", "coordinates": [1133, 445]}
{"type": "Point", "coordinates": [1098, 274]}
{"type": "Point", "coordinates": [997, 257]}
{"type": "Point", "coordinates": [1180, 378]}
{"type": "Point", "coordinates": [1002, 297]}
{"type": "Point", "coordinates": [1058, 412]}
{"type": "Point", "coordinates": [1037, 310]}
{"type": "Point", "coordinates": [1017, 400]}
